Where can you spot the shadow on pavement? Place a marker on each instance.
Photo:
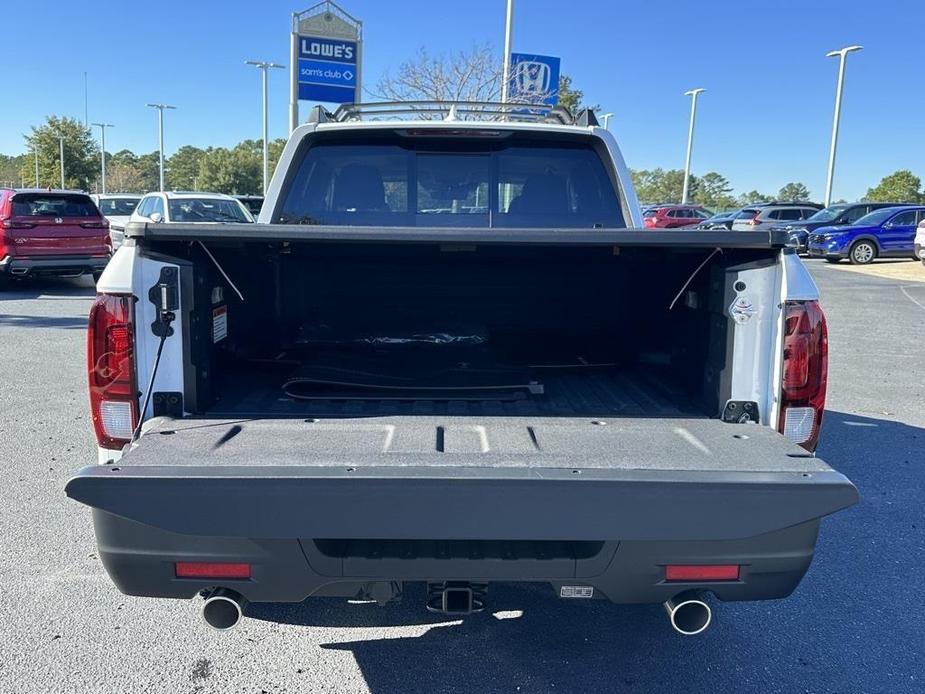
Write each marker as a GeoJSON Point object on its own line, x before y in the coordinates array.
{"type": "Point", "coordinates": [532, 641]}
{"type": "Point", "coordinates": [46, 287]}
{"type": "Point", "coordinates": [64, 322]}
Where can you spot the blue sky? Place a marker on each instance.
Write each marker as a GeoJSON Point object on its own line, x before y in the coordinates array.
{"type": "Point", "coordinates": [765, 119]}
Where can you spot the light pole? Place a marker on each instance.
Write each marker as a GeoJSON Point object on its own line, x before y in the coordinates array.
{"type": "Point", "coordinates": [160, 124]}
{"type": "Point", "coordinates": [102, 127]}
{"type": "Point", "coordinates": [61, 153]}
{"type": "Point", "coordinates": [842, 55]}
{"type": "Point", "coordinates": [35, 151]}
{"type": "Point", "coordinates": [607, 117]}
{"type": "Point", "coordinates": [693, 93]}
{"type": "Point", "coordinates": [508, 38]}
{"type": "Point", "coordinates": [264, 66]}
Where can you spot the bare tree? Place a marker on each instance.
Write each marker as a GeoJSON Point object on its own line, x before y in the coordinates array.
{"type": "Point", "coordinates": [473, 75]}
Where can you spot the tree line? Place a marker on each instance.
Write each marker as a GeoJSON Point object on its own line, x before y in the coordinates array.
{"type": "Point", "coordinates": [235, 170]}
{"type": "Point", "coordinates": [713, 190]}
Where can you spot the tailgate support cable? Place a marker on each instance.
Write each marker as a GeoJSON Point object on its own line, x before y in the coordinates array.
{"type": "Point", "coordinates": [693, 275]}
{"type": "Point", "coordinates": [227, 278]}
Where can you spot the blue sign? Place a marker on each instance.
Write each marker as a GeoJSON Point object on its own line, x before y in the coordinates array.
{"type": "Point", "coordinates": [534, 78]}
{"type": "Point", "coordinates": [327, 70]}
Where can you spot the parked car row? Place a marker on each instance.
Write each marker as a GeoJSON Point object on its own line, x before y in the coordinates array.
{"type": "Point", "coordinates": [841, 214]}
{"type": "Point", "coordinates": [757, 217]}
{"type": "Point", "coordinates": [69, 233]}
{"type": "Point", "coordinates": [860, 232]}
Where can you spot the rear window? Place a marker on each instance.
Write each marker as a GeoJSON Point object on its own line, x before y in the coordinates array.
{"type": "Point", "coordinates": [53, 205]}
{"type": "Point", "coordinates": [746, 214]}
{"type": "Point", "coordinates": [118, 207]}
{"type": "Point", "coordinates": [206, 210]}
{"type": "Point", "coordinates": [650, 213]}
{"type": "Point", "coordinates": [486, 183]}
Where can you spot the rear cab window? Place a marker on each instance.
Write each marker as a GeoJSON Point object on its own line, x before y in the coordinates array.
{"type": "Point", "coordinates": [496, 180]}
{"type": "Point", "coordinates": [56, 205]}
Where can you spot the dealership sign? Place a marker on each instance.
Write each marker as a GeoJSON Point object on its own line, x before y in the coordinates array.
{"type": "Point", "coordinates": [534, 78]}
{"type": "Point", "coordinates": [327, 70]}
{"type": "Point", "coordinates": [326, 49]}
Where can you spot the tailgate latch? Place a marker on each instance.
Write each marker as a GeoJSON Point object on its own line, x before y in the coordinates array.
{"type": "Point", "coordinates": [741, 412]}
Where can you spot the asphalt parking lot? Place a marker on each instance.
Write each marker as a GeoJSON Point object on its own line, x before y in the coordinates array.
{"type": "Point", "coordinates": [854, 625]}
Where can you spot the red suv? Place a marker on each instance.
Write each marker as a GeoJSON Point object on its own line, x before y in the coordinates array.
{"type": "Point", "coordinates": [51, 232]}
{"type": "Point", "coordinates": [673, 216]}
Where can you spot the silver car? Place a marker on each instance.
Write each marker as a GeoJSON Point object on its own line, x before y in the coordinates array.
{"type": "Point", "coordinates": [761, 218]}
{"type": "Point", "coordinates": [117, 208]}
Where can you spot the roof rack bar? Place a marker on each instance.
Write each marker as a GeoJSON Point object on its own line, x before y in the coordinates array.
{"type": "Point", "coordinates": [490, 109]}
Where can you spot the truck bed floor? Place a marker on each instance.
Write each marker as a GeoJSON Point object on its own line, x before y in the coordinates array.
{"type": "Point", "coordinates": [612, 392]}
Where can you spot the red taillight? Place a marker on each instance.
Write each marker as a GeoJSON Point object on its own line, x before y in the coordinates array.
{"type": "Point", "coordinates": [804, 372]}
{"type": "Point", "coordinates": [210, 569]}
{"type": "Point", "coordinates": [111, 369]}
{"type": "Point", "coordinates": [99, 224]}
{"type": "Point", "coordinates": [10, 224]}
{"type": "Point", "coordinates": [702, 572]}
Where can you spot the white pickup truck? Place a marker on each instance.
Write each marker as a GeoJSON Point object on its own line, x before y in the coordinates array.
{"type": "Point", "coordinates": [449, 354]}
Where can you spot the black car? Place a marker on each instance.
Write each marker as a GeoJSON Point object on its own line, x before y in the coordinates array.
{"type": "Point", "coordinates": [723, 220]}
{"type": "Point", "coordinates": [834, 215]}
{"type": "Point", "coordinates": [253, 203]}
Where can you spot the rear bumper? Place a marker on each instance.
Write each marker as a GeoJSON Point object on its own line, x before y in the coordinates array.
{"type": "Point", "coordinates": [52, 265]}
{"type": "Point", "coordinates": [331, 530]}
{"type": "Point", "coordinates": [140, 560]}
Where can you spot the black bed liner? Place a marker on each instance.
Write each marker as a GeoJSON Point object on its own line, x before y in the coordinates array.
{"type": "Point", "coordinates": [497, 442]}
{"type": "Point", "coordinates": [691, 238]}
{"type": "Point", "coordinates": [255, 391]}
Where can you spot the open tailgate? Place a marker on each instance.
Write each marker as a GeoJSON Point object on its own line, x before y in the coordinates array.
{"type": "Point", "coordinates": [499, 478]}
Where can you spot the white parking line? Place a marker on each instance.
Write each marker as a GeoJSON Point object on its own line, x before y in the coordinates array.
{"type": "Point", "coordinates": [912, 298]}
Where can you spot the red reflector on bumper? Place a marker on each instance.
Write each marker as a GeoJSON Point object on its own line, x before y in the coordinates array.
{"type": "Point", "coordinates": [197, 569]}
{"type": "Point", "coordinates": [696, 572]}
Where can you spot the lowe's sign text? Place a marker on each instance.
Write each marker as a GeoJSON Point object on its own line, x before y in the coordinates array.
{"type": "Point", "coordinates": [327, 70]}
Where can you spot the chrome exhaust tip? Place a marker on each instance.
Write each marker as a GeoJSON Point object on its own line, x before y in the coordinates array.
{"type": "Point", "coordinates": [223, 609]}
{"type": "Point", "coordinates": [688, 613]}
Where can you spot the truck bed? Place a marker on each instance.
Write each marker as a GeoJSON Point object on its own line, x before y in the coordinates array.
{"type": "Point", "coordinates": [601, 391]}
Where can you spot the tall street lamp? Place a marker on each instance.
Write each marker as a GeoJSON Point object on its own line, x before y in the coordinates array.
{"type": "Point", "coordinates": [842, 56]}
{"type": "Point", "coordinates": [693, 93]}
{"type": "Point", "coordinates": [61, 154]}
{"type": "Point", "coordinates": [35, 151]}
{"type": "Point", "coordinates": [160, 124]}
{"type": "Point", "coordinates": [508, 38]}
{"type": "Point", "coordinates": [264, 66]}
{"type": "Point", "coordinates": [102, 127]}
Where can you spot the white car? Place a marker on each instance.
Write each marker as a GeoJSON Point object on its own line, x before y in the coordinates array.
{"type": "Point", "coordinates": [919, 246]}
{"type": "Point", "coordinates": [117, 208]}
{"type": "Point", "coordinates": [175, 207]}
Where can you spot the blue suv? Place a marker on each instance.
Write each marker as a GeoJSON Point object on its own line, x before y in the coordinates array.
{"type": "Point", "coordinates": [884, 233]}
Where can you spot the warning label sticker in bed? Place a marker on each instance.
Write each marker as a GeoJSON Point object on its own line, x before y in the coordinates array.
{"type": "Point", "coordinates": [219, 323]}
